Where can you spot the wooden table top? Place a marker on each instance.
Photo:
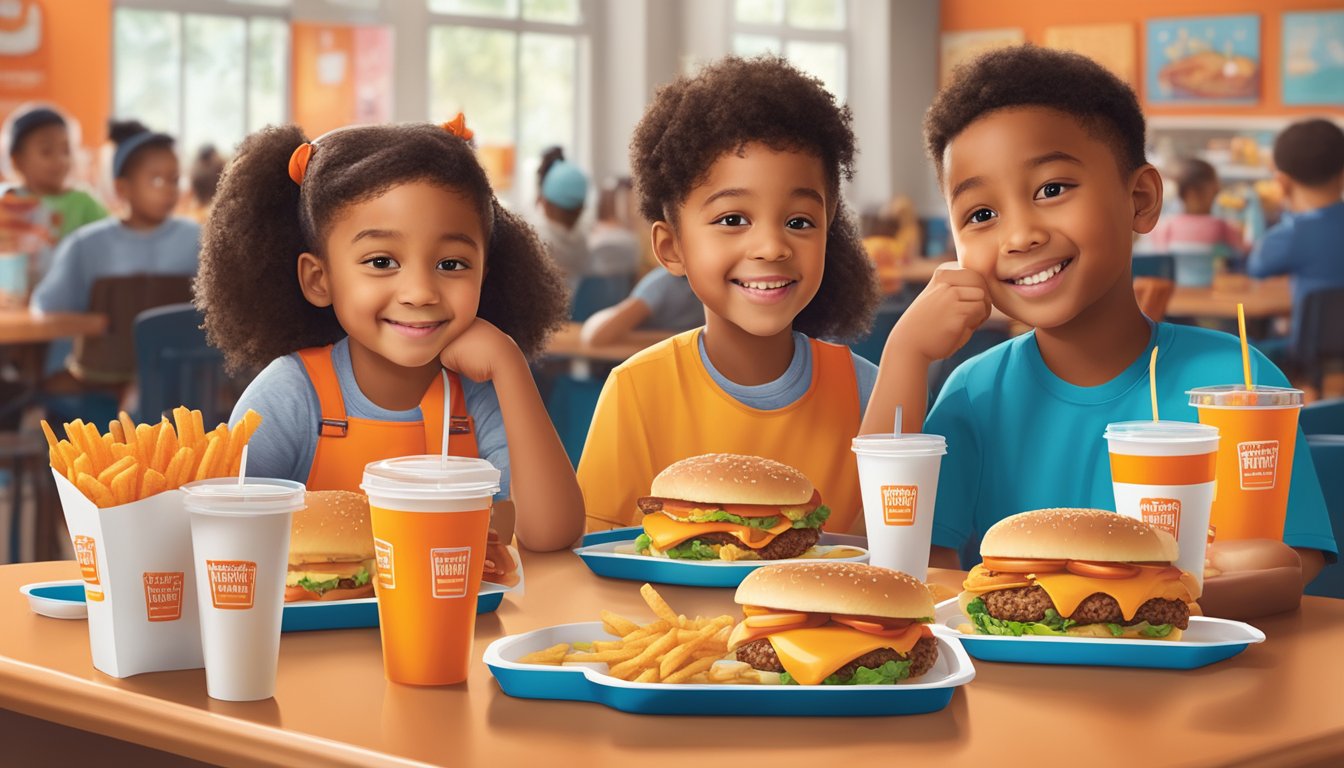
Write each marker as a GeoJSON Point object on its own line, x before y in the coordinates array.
{"type": "Point", "coordinates": [19, 326]}
{"type": "Point", "coordinates": [1277, 702]}
{"type": "Point", "coordinates": [566, 343]}
{"type": "Point", "coordinates": [1262, 299]}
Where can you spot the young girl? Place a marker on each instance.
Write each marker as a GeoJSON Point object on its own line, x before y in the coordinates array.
{"type": "Point", "coordinates": [40, 156]}
{"type": "Point", "coordinates": [362, 264]}
{"type": "Point", "coordinates": [740, 169]}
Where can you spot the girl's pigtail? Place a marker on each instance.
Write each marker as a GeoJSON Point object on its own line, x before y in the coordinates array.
{"type": "Point", "coordinates": [248, 285]}
{"type": "Point", "coordinates": [524, 293]}
{"type": "Point", "coordinates": [849, 293]}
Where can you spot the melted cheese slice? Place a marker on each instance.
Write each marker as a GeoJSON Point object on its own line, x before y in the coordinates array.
{"type": "Point", "coordinates": [1067, 590]}
{"type": "Point", "coordinates": [811, 655]}
{"type": "Point", "coordinates": [666, 533]}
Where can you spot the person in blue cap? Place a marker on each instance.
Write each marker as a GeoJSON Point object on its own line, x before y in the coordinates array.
{"type": "Point", "coordinates": [562, 190]}
{"type": "Point", "coordinates": [41, 156]}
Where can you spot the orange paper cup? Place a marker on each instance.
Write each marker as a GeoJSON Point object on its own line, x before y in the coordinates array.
{"type": "Point", "coordinates": [1255, 457]}
{"type": "Point", "coordinates": [430, 516]}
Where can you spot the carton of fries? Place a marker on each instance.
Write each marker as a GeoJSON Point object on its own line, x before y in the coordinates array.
{"type": "Point", "coordinates": [132, 535]}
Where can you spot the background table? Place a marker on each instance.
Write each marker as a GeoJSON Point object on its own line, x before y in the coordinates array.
{"type": "Point", "coordinates": [1263, 299]}
{"type": "Point", "coordinates": [19, 326]}
{"type": "Point", "coordinates": [1277, 703]}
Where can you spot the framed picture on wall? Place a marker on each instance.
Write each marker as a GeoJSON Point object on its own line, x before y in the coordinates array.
{"type": "Point", "coordinates": [1110, 45]}
{"type": "Point", "coordinates": [961, 47]}
{"type": "Point", "coordinates": [1313, 58]}
{"type": "Point", "coordinates": [1203, 60]}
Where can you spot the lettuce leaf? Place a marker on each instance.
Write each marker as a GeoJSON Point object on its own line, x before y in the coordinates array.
{"type": "Point", "coordinates": [1052, 624]}
{"type": "Point", "coordinates": [720, 516]}
{"type": "Point", "coordinates": [815, 519]}
{"type": "Point", "coordinates": [1157, 630]}
{"type": "Point", "coordinates": [318, 586]}
{"type": "Point", "coordinates": [642, 543]}
{"type": "Point", "coordinates": [889, 673]}
{"type": "Point", "coordinates": [692, 550]}
{"type": "Point", "coordinates": [362, 577]}
{"type": "Point", "coordinates": [1115, 629]}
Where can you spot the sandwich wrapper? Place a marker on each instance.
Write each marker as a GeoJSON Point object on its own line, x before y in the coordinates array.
{"type": "Point", "coordinates": [139, 581]}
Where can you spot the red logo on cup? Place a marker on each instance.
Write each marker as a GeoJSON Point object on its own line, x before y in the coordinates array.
{"type": "Point", "coordinates": [384, 564]}
{"type": "Point", "coordinates": [163, 596]}
{"type": "Point", "coordinates": [1259, 464]}
{"type": "Point", "coordinates": [1162, 513]}
{"type": "Point", "coordinates": [448, 568]}
{"type": "Point", "coordinates": [233, 583]}
{"type": "Point", "coordinates": [898, 504]}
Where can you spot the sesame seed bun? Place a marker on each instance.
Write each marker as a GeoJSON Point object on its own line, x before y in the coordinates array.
{"type": "Point", "coordinates": [855, 589]}
{"type": "Point", "coordinates": [333, 528]}
{"type": "Point", "coordinates": [729, 478]}
{"type": "Point", "coordinates": [1078, 534]}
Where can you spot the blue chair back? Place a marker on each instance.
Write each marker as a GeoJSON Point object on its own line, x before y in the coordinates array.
{"type": "Point", "coordinates": [176, 366]}
{"type": "Point", "coordinates": [1323, 417]}
{"type": "Point", "coordinates": [1317, 330]}
{"type": "Point", "coordinates": [597, 292]}
{"type": "Point", "coordinates": [870, 346]}
{"type": "Point", "coordinates": [1159, 265]}
{"type": "Point", "coordinates": [1327, 453]}
{"type": "Point", "coordinates": [571, 405]}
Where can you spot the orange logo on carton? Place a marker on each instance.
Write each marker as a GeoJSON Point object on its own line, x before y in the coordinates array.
{"type": "Point", "coordinates": [163, 596]}
{"type": "Point", "coordinates": [233, 583]}
{"type": "Point", "coordinates": [898, 504]}
{"type": "Point", "coordinates": [1162, 513]}
{"type": "Point", "coordinates": [86, 554]}
{"type": "Point", "coordinates": [384, 564]}
{"type": "Point", "coordinates": [1259, 463]}
{"type": "Point", "coordinates": [448, 568]}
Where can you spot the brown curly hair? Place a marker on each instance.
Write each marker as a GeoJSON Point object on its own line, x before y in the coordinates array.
{"type": "Point", "coordinates": [694, 121]}
{"type": "Point", "coordinates": [248, 286]}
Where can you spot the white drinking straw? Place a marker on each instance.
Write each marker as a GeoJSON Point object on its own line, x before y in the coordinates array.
{"type": "Point", "coordinates": [897, 429]}
{"type": "Point", "coordinates": [447, 418]}
{"type": "Point", "coordinates": [242, 466]}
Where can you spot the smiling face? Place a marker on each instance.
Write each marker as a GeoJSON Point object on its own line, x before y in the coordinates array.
{"type": "Point", "coordinates": [1040, 207]}
{"type": "Point", "coordinates": [751, 239]}
{"type": "Point", "coordinates": [403, 271]}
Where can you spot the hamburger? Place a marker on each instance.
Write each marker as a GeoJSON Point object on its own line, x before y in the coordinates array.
{"type": "Point", "coordinates": [834, 624]}
{"type": "Point", "coordinates": [722, 506]}
{"type": "Point", "coordinates": [330, 548]}
{"type": "Point", "coordinates": [1079, 572]}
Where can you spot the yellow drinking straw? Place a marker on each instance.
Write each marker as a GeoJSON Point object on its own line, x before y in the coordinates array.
{"type": "Point", "coordinates": [1152, 381]}
{"type": "Point", "coordinates": [1245, 350]}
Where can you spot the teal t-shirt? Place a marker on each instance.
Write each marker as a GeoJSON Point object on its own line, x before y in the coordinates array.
{"type": "Point", "coordinates": [1020, 438]}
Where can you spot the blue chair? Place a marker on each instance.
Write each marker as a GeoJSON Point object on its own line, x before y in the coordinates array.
{"type": "Point", "coordinates": [175, 366]}
{"type": "Point", "coordinates": [870, 346]}
{"type": "Point", "coordinates": [1160, 265]}
{"type": "Point", "coordinates": [597, 292]}
{"type": "Point", "coordinates": [1318, 337]}
{"type": "Point", "coordinates": [1323, 417]}
{"type": "Point", "coordinates": [935, 236]}
{"type": "Point", "coordinates": [1327, 453]}
{"type": "Point", "coordinates": [571, 404]}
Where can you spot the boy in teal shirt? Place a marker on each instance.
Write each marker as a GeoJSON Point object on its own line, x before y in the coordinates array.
{"type": "Point", "coordinates": [1040, 154]}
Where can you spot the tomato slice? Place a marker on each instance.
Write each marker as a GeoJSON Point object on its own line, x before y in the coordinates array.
{"type": "Point", "coordinates": [1102, 570]}
{"type": "Point", "coordinates": [771, 620]}
{"type": "Point", "coordinates": [1023, 565]}
{"type": "Point", "coordinates": [881, 628]}
{"type": "Point", "coordinates": [678, 506]}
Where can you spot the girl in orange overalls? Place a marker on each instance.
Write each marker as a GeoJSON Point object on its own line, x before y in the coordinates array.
{"type": "Point", "coordinates": [378, 280]}
{"type": "Point", "coordinates": [739, 168]}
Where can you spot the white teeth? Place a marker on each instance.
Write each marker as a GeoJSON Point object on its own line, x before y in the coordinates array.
{"type": "Point", "coordinates": [764, 286]}
{"type": "Point", "coordinates": [1042, 276]}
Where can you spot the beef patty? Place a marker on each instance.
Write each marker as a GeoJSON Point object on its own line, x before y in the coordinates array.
{"type": "Point", "coordinates": [1031, 603]}
{"type": "Point", "coordinates": [761, 655]}
{"type": "Point", "coordinates": [790, 543]}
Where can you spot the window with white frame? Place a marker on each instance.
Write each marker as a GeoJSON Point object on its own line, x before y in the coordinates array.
{"type": "Point", "coordinates": [812, 34]}
{"type": "Point", "coordinates": [518, 70]}
{"type": "Point", "coordinates": [205, 72]}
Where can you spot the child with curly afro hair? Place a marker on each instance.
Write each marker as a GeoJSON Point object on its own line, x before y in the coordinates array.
{"type": "Point", "coordinates": [740, 169]}
{"type": "Point", "coordinates": [387, 292]}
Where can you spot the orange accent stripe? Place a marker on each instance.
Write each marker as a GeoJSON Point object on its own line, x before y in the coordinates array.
{"type": "Point", "coordinates": [1163, 470]}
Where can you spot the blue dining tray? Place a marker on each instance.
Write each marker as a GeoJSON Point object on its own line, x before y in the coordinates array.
{"type": "Point", "coordinates": [930, 693]}
{"type": "Point", "coordinates": [1206, 641]}
{"type": "Point", "coordinates": [597, 552]}
{"type": "Point", "coordinates": [65, 600]}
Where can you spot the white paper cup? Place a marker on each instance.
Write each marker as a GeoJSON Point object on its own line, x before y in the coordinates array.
{"type": "Point", "coordinates": [1163, 474]}
{"type": "Point", "coordinates": [240, 543]}
{"type": "Point", "coordinates": [898, 480]}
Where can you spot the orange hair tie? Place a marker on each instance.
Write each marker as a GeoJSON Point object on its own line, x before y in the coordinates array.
{"type": "Point", "coordinates": [298, 162]}
{"type": "Point", "coordinates": [458, 127]}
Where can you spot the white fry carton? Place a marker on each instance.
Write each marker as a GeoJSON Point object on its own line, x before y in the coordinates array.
{"type": "Point", "coordinates": [139, 581]}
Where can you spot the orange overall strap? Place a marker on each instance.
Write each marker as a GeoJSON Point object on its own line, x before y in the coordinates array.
{"type": "Point", "coordinates": [322, 373]}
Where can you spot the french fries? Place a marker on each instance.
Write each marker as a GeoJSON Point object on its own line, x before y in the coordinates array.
{"type": "Point", "coordinates": [670, 649]}
{"type": "Point", "coordinates": [135, 461]}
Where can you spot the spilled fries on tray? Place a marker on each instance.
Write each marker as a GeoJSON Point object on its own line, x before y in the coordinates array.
{"type": "Point", "coordinates": [136, 461]}
{"type": "Point", "coordinates": [670, 649]}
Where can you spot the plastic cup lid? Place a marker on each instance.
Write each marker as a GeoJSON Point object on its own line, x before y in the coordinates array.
{"type": "Point", "coordinates": [257, 496]}
{"type": "Point", "coordinates": [431, 477]}
{"type": "Point", "coordinates": [913, 444]}
{"type": "Point", "coordinates": [1238, 396]}
{"type": "Point", "coordinates": [1160, 431]}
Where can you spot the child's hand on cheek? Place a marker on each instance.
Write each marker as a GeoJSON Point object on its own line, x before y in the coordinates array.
{"type": "Point", "coordinates": [944, 315]}
{"type": "Point", "coordinates": [479, 351]}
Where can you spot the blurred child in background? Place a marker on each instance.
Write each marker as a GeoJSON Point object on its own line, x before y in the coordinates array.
{"type": "Point", "coordinates": [561, 191]}
{"type": "Point", "coordinates": [204, 176]}
{"type": "Point", "coordinates": [612, 244]}
{"type": "Point", "coordinates": [1195, 236]}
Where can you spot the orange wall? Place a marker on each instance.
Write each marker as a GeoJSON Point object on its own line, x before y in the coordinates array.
{"type": "Point", "coordinates": [70, 70]}
{"type": "Point", "coordinates": [1033, 16]}
{"type": "Point", "coordinates": [321, 106]}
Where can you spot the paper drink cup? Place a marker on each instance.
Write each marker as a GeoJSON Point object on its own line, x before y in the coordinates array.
{"type": "Point", "coordinates": [139, 581]}
{"type": "Point", "coordinates": [1255, 457]}
{"type": "Point", "coordinates": [1163, 474]}
{"type": "Point", "coordinates": [430, 517]}
{"type": "Point", "coordinates": [898, 481]}
{"type": "Point", "coordinates": [240, 543]}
